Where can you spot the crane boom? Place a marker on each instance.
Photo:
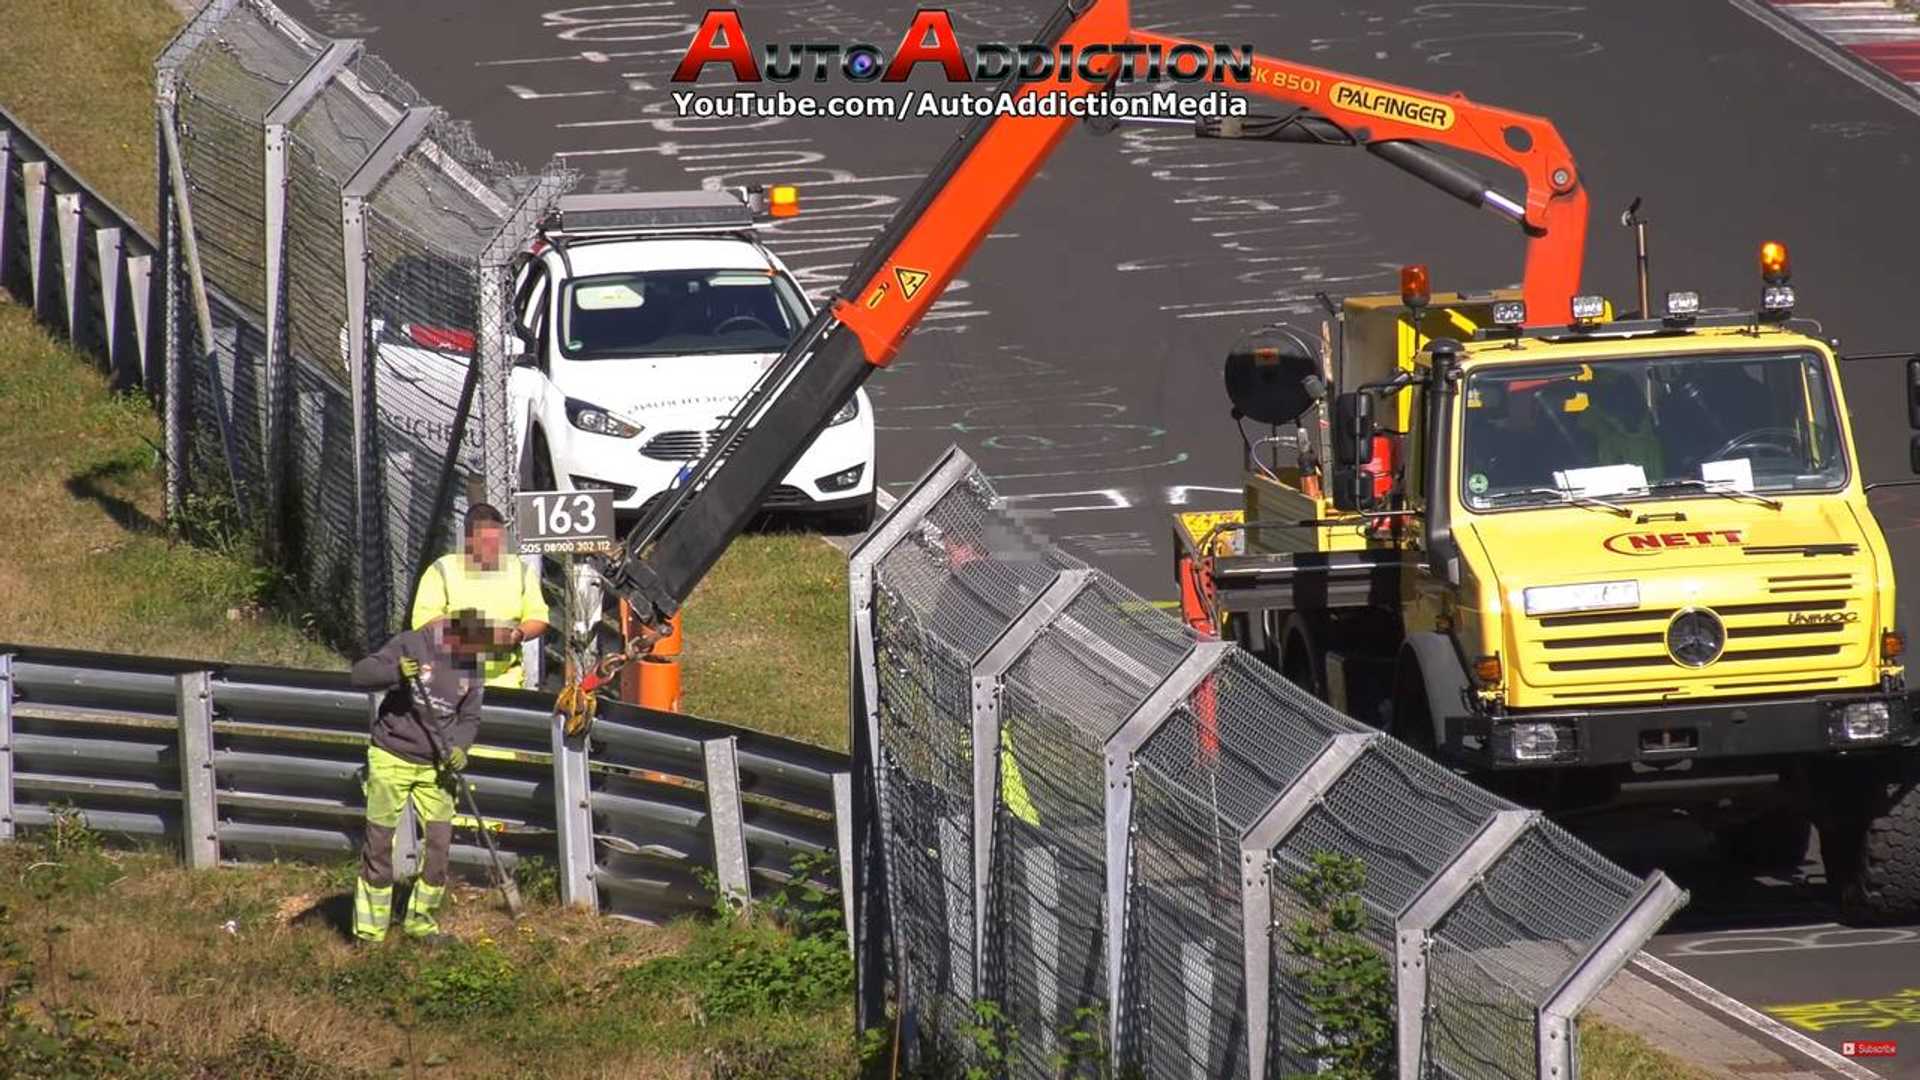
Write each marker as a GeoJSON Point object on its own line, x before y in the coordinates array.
{"type": "Point", "coordinates": [909, 265]}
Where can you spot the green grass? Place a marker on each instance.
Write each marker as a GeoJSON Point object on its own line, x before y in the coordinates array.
{"type": "Point", "coordinates": [79, 74]}
{"type": "Point", "coordinates": [1610, 1053]}
{"type": "Point", "coordinates": [88, 563]}
{"type": "Point", "coordinates": [766, 639]}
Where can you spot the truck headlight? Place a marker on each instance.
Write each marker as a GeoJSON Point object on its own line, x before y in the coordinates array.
{"type": "Point", "coordinates": [1537, 741]}
{"type": "Point", "coordinates": [1596, 596]}
{"type": "Point", "coordinates": [847, 412]}
{"type": "Point", "coordinates": [590, 417]}
{"type": "Point", "coordinates": [1861, 721]}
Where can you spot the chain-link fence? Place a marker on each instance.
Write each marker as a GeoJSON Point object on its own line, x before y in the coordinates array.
{"type": "Point", "coordinates": [1091, 825]}
{"type": "Point", "coordinates": [338, 296]}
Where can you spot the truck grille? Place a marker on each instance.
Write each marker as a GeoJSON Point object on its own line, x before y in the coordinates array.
{"type": "Point", "coordinates": [1633, 643]}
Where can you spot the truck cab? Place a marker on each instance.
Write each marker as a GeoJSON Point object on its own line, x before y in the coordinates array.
{"type": "Point", "coordinates": [1597, 563]}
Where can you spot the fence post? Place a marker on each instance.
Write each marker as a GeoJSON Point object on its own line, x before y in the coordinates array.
{"type": "Point", "coordinates": [369, 503]}
{"type": "Point", "coordinates": [274, 384]}
{"type": "Point", "coordinates": [843, 847]}
{"type": "Point", "coordinates": [872, 891]}
{"type": "Point", "coordinates": [36, 192]}
{"type": "Point", "coordinates": [989, 672]}
{"type": "Point", "coordinates": [1179, 684]}
{"type": "Point", "coordinates": [1658, 899]}
{"type": "Point", "coordinates": [726, 820]}
{"type": "Point", "coordinates": [1256, 881]}
{"type": "Point", "coordinates": [573, 819]}
{"type": "Point", "coordinates": [6, 741]}
{"type": "Point", "coordinates": [171, 365]}
{"type": "Point", "coordinates": [199, 820]}
{"type": "Point", "coordinates": [1413, 928]}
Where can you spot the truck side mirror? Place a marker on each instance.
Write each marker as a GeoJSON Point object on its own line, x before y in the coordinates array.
{"type": "Point", "coordinates": [1353, 429]}
{"type": "Point", "coordinates": [1351, 486]}
{"type": "Point", "coordinates": [1913, 454]}
{"type": "Point", "coordinates": [1913, 393]}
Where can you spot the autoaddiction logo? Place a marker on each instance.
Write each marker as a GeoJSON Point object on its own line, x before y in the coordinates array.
{"type": "Point", "coordinates": [931, 40]}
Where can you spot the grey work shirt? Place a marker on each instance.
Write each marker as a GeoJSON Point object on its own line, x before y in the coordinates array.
{"type": "Point", "coordinates": [453, 687]}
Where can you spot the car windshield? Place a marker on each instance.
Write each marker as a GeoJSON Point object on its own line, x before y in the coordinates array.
{"type": "Point", "coordinates": [677, 313]}
{"type": "Point", "coordinates": [1660, 427]}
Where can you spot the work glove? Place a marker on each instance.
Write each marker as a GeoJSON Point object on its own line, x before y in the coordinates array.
{"type": "Point", "coordinates": [456, 760]}
{"type": "Point", "coordinates": [409, 668]}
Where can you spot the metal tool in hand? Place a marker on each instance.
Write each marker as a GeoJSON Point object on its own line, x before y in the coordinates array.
{"type": "Point", "coordinates": [509, 889]}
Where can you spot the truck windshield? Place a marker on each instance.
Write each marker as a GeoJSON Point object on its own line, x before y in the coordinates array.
{"type": "Point", "coordinates": [678, 313]}
{"type": "Point", "coordinates": [1661, 427]}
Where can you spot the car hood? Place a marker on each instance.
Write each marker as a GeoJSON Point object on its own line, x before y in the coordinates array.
{"type": "Point", "coordinates": [652, 391]}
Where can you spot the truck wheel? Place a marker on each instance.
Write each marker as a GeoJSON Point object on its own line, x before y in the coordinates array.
{"type": "Point", "coordinates": [1412, 718]}
{"type": "Point", "coordinates": [1771, 841]}
{"type": "Point", "coordinates": [1880, 880]}
{"type": "Point", "coordinates": [1301, 662]}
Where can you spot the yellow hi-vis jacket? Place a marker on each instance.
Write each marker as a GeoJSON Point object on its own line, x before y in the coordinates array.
{"type": "Point", "coordinates": [1013, 787]}
{"type": "Point", "coordinates": [510, 594]}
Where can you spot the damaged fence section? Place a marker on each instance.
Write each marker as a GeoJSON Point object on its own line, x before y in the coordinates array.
{"type": "Point", "coordinates": [1083, 821]}
{"type": "Point", "coordinates": [335, 305]}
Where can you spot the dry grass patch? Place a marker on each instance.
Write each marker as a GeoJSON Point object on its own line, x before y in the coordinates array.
{"type": "Point", "coordinates": [79, 74]}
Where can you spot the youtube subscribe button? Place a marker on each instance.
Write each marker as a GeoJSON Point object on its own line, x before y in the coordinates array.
{"type": "Point", "coordinates": [1867, 1049]}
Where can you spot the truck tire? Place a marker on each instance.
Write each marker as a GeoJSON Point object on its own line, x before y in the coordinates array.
{"type": "Point", "coordinates": [1302, 661]}
{"type": "Point", "coordinates": [1412, 716]}
{"type": "Point", "coordinates": [1881, 879]}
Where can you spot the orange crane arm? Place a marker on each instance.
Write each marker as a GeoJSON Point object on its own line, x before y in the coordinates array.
{"type": "Point", "coordinates": [1376, 113]}
{"type": "Point", "coordinates": [909, 265]}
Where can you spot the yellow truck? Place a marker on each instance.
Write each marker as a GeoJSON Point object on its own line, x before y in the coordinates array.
{"type": "Point", "coordinates": [1592, 563]}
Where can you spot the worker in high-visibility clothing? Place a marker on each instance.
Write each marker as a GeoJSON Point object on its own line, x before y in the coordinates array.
{"type": "Point", "coordinates": [428, 718]}
{"type": "Point", "coordinates": [480, 577]}
{"type": "Point", "coordinates": [1013, 786]}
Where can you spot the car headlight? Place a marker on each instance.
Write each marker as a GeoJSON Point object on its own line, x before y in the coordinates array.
{"type": "Point", "coordinates": [590, 417]}
{"type": "Point", "coordinates": [847, 412]}
{"type": "Point", "coordinates": [1596, 596]}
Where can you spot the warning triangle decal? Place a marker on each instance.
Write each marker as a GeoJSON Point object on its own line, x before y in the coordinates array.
{"type": "Point", "coordinates": [910, 280]}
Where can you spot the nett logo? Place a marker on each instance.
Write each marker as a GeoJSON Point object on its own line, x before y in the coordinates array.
{"type": "Point", "coordinates": [1653, 543]}
{"type": "Point", "coordinates": [1867, 1049]}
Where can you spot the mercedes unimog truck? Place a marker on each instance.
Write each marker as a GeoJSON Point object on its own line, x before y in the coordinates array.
{"type": "Point", "coordinates": [1593, 562]}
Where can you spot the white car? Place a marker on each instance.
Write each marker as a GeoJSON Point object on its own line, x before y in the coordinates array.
{"type": "Point", "coordinates": [642, 319]}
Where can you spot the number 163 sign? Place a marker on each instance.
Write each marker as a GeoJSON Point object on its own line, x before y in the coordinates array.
{"type": "Point", "coordinates": [550, 522]}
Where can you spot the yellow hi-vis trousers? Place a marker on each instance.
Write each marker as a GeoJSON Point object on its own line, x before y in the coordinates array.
{"type": "Point", "coordinates": [391, 782]}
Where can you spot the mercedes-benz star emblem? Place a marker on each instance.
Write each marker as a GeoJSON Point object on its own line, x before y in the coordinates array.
{"type": "Point", "coordinates": [1696, 637]}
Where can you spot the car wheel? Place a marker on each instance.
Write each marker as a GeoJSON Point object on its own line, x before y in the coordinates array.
{"type": "Point", "coordinates": [543, 474]}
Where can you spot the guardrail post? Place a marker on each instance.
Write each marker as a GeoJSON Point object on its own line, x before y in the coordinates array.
{"type": "Point", "coordinates": [199, 818]}
{"type": "Point", "coordinates": [843, 847]}
{"type": "Point", "coordinates": [109, 251]}
{"type": "Point", "coordinates": [573, 819]}
{"type": "Point", "coordinates": [6, 738]}
{"type": "Point", "coordinates": [726, 819]}
{"type": "Point", "coordinates": [38, 195]}
{"type": "Point", "coordinates": [1179, 684]}
{"type": "Point", "coordinates": [1256, 879]}
{"type": "Point", "coordinates": [1413, 928]}
{"type": "Point", "coordinates": [140, 302]}
{"type": "Point", "coordinates": [6, 209]}
{"type": "Point", "coordinates": [67, 224]}
{"type": "Point", "coordinates": [989, 673]}
{"type": "Point", "coordinates": [1658, 899]}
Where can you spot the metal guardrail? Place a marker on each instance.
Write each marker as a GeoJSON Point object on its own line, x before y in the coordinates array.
{"type": "Point", "coordinates": [77, 260]}
{"type": "Point", "coordinates": [1077, 810]}
{"type": "Point", "coordinates": [239, 764]}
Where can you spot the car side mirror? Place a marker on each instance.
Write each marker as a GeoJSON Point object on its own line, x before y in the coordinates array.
{"type": "Point", "coordinates": [1913, 393]}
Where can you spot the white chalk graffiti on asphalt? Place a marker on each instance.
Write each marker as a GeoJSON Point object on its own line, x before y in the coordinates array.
{"type": "Point", "coordinates": [1795, 939]}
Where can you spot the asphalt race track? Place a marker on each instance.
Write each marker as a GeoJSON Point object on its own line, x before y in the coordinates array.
{"type": "Point", "coordinates": [1078, 359]}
